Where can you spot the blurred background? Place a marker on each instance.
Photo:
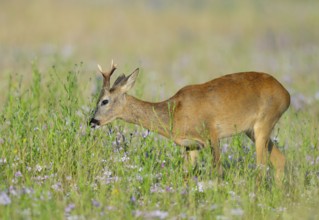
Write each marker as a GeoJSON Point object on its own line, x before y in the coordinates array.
{"type": "Point", "coordinates": [173, 42]}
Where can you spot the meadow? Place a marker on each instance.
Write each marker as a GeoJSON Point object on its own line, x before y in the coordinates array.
{"type": "Point", "coordinates": [54, 166]}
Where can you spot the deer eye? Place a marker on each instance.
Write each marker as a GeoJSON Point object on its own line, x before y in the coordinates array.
{"type": "Point", "coordinates": [104, 102]}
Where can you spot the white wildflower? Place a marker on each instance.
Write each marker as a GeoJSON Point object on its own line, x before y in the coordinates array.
{"type": "Point", "coordinates": [153, 214]}
{"type": "Point", "coordinates": [38, 168]}
{"type": "Point", "coordinates": [200, 187]}
{"type": "Point", "coordinates": [3, 161]}
{"type": "Point", "coordinates": [237, 212]}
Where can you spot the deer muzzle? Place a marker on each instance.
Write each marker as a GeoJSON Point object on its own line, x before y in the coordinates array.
{"type": "Point", "coordinates": [94, 123]}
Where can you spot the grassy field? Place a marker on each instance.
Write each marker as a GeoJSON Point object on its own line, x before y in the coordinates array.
{"type": "Point", "coordinates": [53, 166]}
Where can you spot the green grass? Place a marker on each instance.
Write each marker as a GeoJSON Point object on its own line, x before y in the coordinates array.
{"type": "Point", "coordinates": [54, 166]}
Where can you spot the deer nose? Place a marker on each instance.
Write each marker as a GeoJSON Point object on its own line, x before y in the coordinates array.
{"type": "Point", "coordinates": [94, 123]}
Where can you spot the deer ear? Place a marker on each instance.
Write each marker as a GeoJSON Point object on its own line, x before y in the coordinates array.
{"type": "Point", "coordinates": [127, 83]}
{"type": "Point", "coordinates": [118, 81]}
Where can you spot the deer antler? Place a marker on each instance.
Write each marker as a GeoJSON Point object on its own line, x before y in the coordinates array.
{"type": "Point", "coordinates": [107, 74]}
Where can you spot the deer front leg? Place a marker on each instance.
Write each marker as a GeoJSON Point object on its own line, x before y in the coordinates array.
{"type": "Point", "coordinates": [192, 157]}
{"type": "Point", "coordinates": [191, 154]}
{"type": "Point", "coordinates": [214, 145]}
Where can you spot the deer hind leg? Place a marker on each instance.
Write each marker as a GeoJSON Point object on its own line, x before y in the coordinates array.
{"type": "Point", "coordinates": [261, 136]}
{"type": "Point", "coordinates": [278, 160]}
{"type": "Point", "coordinates": [264, 145]}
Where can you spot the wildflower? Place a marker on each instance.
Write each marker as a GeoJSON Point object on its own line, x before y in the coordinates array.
{"type": "Point", "coordinates": [133, 199]}
{"type": "Point", "coordinates": [145, 133]}
{"type": "Point", "coordinates": [200, 187]}
{"type": "Point", "coordinates": [153, 214]}
{"type": "Point", "coordinates": [26, 213]}
{"type": "Point", "coordinates": [16, 158]}
{"type": "Point", "coordinates": [184, 191]}
{"type": "Point", "coordinates": [252, 196]}
{"type": "Point", "coordinates": [225, 148]}
{"type": "Point", "coordinates": [157, 214]}
{"type": "Point", "coordinates": [44, 127]}
{"type": "Point", "coordinates": [69, 208]}
{"type": "Point", "coordinates": [57, 186]}
{"type": "Point", "coordinates": [125, 158]}
{"type": "Point", "coordinates": [237, 212]}
{"type": "Point", "coordinates": [163, 164]}
{"type": "Point", "coordinates": [110, 208]}
{"type": "Point", "coordinates": [221, 217]}
{"type": "Point", "coordinates": [281, 209]}
{"type": "Point", "coordinates": [182, 216]}
{"type": "Point", "coordinates": [213, 207]}
{"type": "Point", "coordinates": [232, 193]}
{"type": "Point", "coordinates": [107, 173]}
{"type": "Point", "coordinates": [2, 160]}
{"type": "Point", "coordinates": [169, 189]}
{"type": "Point", "coordinates": [156, 189]}
{"type": "Point", "coordinates": [94, 186]}
{"type": "Point", "coordinates": [28, 191]}
{"type": "Point", "coordinates": [18, 174]}
{"type": "Point", "coordinates": [4, 199]}
{"type": "Point", "coordinates": [95, 203]}
{"type": "Point", "coordinates": [13, 191]}
{"type": "Point", "coordinates": [38, 168]}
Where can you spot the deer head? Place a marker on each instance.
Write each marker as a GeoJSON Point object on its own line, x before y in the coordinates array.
{"type": "Point", "coordinates": [112, 100]}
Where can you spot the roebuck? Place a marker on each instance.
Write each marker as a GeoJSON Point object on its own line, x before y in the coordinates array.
{"type": "Point", "coordinates": [199, 115]}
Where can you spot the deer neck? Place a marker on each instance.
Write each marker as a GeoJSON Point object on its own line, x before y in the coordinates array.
{"type": "Point", "coordinates": [153, 116]}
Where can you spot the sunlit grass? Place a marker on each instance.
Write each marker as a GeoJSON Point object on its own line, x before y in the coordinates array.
{"type": "Point", "coordinates": [53, 166]}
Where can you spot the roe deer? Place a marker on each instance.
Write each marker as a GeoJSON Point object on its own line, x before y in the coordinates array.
{"type": "Point", "coordinates": [199, 115]}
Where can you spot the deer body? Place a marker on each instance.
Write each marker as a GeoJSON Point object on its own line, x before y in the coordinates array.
{"type": "Point", "coordinates": [199, 115]}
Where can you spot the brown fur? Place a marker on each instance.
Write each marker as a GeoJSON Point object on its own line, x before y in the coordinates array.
{"type": "Point", "coordinates": [199, 115]}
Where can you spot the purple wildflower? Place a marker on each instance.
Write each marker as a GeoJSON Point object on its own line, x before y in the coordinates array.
{"type": "Point", "coordinates": [133, 199]}
{"type": "Point", "coordinates": [69, 208]}
{"type": "Point", "coordinates": [18, 174]}
{"type": "Point", "coordinates": [13, 191]}
{"type": "Point", "coordinates": [4, 199]}
{"type": "Point", "coordinates": [26, 190]}
{"type": "Point", "coordinates": [96, 203]}
{"type": "Point", "coordinates": [57, 186]}
{"type": "Point", "coordinates": [169, 189]}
